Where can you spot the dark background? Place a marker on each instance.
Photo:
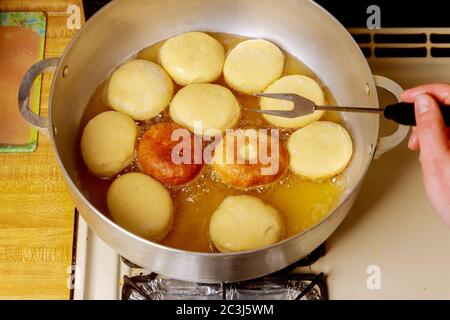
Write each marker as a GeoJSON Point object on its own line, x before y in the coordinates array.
{"type": "Point", "coordinates": [394, 13]}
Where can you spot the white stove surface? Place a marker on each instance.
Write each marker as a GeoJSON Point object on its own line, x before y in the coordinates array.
{"type": "Point", "coordinates": [391, 246]}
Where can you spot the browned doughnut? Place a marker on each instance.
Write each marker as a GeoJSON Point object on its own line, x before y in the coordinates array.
{"type": "Point", "coordinates": [154, 153]}
{"type": "Point", "coordinates": [248, 175]}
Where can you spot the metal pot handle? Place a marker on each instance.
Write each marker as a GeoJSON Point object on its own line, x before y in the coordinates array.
{"type": "Point", "coordinates": [35, 71]}
{"type": "Point", "coordinates": [385, 144]}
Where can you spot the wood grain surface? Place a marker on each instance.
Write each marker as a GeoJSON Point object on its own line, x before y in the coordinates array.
{"type": "Point", "coordinates": [36, 212]}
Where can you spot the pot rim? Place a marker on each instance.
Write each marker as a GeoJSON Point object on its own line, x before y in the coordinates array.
{"type": "Point", "coordinates": [348, 192]}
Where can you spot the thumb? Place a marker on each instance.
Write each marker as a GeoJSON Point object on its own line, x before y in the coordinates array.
{"type": "Point", "coordinates": [430, 130]}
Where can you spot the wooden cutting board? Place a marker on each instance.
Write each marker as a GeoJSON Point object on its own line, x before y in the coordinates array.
{"type": "Point", "coordinates": [22, 43]}
{"type": "Point", "coordinates": [36, 212]}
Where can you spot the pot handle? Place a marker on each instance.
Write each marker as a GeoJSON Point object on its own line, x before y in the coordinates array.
{"type": "Point", "coordinates": [35, 71]}
{"type": "Point", "coordinates": [385, 144]}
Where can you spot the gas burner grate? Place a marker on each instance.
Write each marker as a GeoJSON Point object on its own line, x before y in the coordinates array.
{"type": "Point", "coordinates": [282, 287]}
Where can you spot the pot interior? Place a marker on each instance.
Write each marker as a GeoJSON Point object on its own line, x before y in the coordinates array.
{"type": "Point", "coordinates": [299, 27]}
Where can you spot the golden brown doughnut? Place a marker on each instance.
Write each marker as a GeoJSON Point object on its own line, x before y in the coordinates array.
{"type": "Point", "coordinates": [248, 174]}
{"type": "Point", "coordinates": [155, 155]}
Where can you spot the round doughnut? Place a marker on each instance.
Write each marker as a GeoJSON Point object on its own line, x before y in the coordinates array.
{"type": "Point", "coordinates": [193, 57]}
{"type": "Point", "coordinates": [247, 168]}
{"type": "Point", "coordinates": [141, 89]}
{"type": "Point", "coordinates": [253, 65]}
{"type": "Point", "coordinates": [155, 155]}
{"type": "Point", "coordinates": [298, 84]}
{"type": "Point", "coordinates": [212, 105]}
{"type": "Point", "coordinates": [320, 150]}
{"type": "Point", "coordinates": [141, 205]}
{"type": "Point", "coordinates": [243, 223]}
{"type": "Point", "coordinates": [107, 143]}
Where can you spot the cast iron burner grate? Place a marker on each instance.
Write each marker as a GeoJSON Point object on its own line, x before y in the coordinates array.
{"type": "Point", "coordinates": [282, 285]}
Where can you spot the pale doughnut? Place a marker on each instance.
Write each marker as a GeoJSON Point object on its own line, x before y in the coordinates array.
{"type": "Point", "coordinates": [253, 65]}
{"type": "Point", "coordinates": [245, 223]}
{"type": "Point", "coordinates": [298, 84]}
{"type": "Point", "coordinates": [142, 205]}
{"type": "Point", "coordinates": [214, 106]}
{"type": "Point", "coordinates": [320, 150]}
{"type": "Point", "coordinates": [193, 57]}
{"type": "Point", "coordinates": [107, 143]}
{"type": "Point", "coordinates": [141, 89]}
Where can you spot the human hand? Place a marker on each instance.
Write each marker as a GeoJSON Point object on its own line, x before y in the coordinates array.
{"type": "Point", "coordinates": [432, 139]}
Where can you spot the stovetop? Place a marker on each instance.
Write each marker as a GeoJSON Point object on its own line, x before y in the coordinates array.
{"type": "Point", "coordinates": [282, 285]}
{"type": "Point", "coordinates": [389, 236]}
{"type": "Point", "coordinates": [275, 287]}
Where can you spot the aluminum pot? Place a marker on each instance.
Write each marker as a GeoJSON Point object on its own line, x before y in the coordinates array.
{"type": "Point", "coordinates": [124, 27]}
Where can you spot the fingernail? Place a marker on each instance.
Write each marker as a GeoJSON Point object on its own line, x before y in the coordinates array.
{"type": "Point", "coordinates": [445, 97]}
{"type": "Point", "coordinates": [412, 141]}
{"type": "Point", "coordinates": [423, 103]}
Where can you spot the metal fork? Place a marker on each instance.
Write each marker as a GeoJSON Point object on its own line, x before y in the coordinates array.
{"type": "Point", "coordinates": [402, 112]}
{"type": "Point", "coordinates": [304, 106]}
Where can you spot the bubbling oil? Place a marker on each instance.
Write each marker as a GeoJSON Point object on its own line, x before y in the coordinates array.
{"type": "Point", "coordinates": [301, 202]}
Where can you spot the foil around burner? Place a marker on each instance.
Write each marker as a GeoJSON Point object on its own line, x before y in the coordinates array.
{"type": "Point", "coordinates": [283, 287]}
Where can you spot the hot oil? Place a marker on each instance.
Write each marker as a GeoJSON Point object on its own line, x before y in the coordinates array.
{"type": "Point", "coordinates": [303, 203]}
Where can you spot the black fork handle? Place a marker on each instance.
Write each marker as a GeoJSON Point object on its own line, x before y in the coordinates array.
{"type": "Point", "coordinates": [403, 113]}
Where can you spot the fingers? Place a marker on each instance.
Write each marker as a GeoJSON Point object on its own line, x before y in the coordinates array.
{"type": "Point", "coordinates": [432, 138]}
{"type": "Point", "coordinates": [413, 143]}
{"type": "Point", "coordinates": [431, 132]}
{"type": "Point", "coordinates": [440, 92]}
